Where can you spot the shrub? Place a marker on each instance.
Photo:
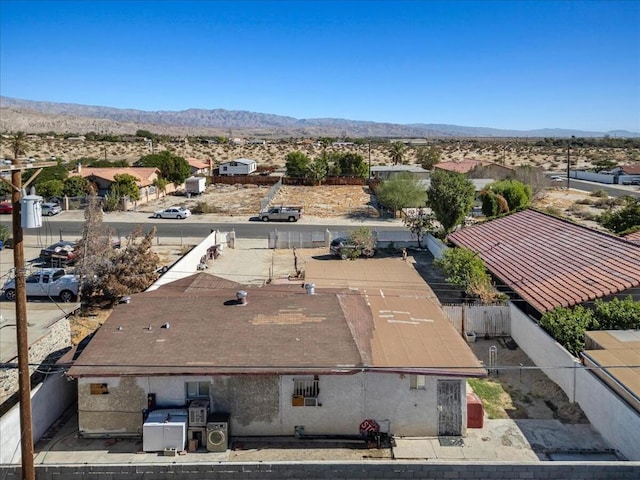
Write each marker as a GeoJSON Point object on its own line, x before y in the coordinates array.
{"type": "Point", "coordinates": [599, 193]}
{"type": "Point", "coordinates": [568, 326]}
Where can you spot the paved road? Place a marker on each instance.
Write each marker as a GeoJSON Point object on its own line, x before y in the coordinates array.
{"type": "Point", "coordinates": [612, 190]}
{"type": "Point", "coordinates": [68, 225]}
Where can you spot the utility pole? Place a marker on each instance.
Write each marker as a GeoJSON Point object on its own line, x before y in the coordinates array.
{"type": "Point", "coordinates": [573, 137]}
{"type": "Point", "coordinates": [24, 376]}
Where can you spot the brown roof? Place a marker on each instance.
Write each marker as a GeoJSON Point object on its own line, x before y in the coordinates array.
{"type": "Point", "coordinates": [144, 175]}
{"type": "Point", "coordinates": [195, 163]}
{"type": "Point", "coordinates": [617, 351]}
{"type": "Point", "coordinates": [281, 329]}
{"type": "Point", "coordinates": [551, 262]}
{"type": "Point", "coordinates": [631, 169]}
{"type": "Point", "coordinates": [409, 329]}
{"type": "Point", "coordinates": [633, 237]}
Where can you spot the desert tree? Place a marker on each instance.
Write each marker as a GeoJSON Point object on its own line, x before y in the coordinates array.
{"type": "Point", "coordinates": [50, 188]}
{"type": "Point", "coordinates": [419, 223]}
{"type": "Point", "coordinates": [297, 164]}
{"type": "Point", "coordinates": [624, 220]}
{"type": "Point", "coordinates": [318, 170]}
{"type": "Point", "coordinates": [132, 269]}
{"type": "Point", "coordinates": [172, 167]}
{"type": "Point", "coordinates": [396, 152]}
{"type": "Point", "coordinates": [96, 252]}
{"type": "Point", "coordinates": [75, 186]}
{"type": "Point", "coordinates": [161, 184]}
{"type": "Point", "coordinates": [18, 145]}
{"type": "Point", "coordinates": [401, 190]}
{"type": "Point", "coordinates": [465, 269]}
{"type": "Point", "coordinates": [427, 157]}
{"type": "Point", "coordinates": [450, 197]}
{"type": "Point", "coordinates": [348, 164]}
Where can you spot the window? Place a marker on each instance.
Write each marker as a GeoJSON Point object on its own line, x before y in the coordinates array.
{"type": "Point", "coordinates": [417, 382]}
{"type": "Point", "coordinates": [98, 389]}
{"type": "Point", "coordinates": [197, 390]}
{"type": "Point", "coordinates": [306, 387]}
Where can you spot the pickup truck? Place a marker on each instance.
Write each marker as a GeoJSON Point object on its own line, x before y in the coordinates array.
{"type": "Point", "coordinates": [290, 214]}
{"type": "Point", "coordinates": [46, 282]}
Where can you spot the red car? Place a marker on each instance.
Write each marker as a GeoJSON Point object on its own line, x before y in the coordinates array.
{"type": "Point", "coordinates": [6, 207]}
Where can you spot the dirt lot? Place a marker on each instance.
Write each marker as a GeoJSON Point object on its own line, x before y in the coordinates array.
{"type": "Point", "coordinates": [527, 393]}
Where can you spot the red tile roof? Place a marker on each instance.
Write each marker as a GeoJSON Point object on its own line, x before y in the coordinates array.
{"type": "Point", "coordinates": [633, 237]}
{"type": "Point", "coordinates": [144, 175]}
{"type": "Point", "coordinates": [195, 163]}
{"type": "Point", "coordinates": [631, 169]}
{"type": "Point", "coordinates": [550, 262]}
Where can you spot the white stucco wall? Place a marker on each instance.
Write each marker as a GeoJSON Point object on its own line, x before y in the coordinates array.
{"type": "Point", "coordinates": [618, 423]}
{"type": "Point", "coordinates": [262, 405]}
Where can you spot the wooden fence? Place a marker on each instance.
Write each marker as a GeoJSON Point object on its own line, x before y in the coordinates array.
{"type": "Point", "coordinates": [483, 320]}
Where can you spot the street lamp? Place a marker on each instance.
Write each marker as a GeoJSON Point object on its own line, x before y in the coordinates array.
{"type": "Point", "coordinates": [573, 137]}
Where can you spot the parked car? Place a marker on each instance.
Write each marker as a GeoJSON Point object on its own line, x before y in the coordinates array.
{"type": "Point", "coordinates": [290, 214]}
{"type": "Point", "coordinates": [60, 253]}
{"type": "Point", "coordinates": [345, 248]}
{"type": "Point", "coordinates": [174, 212]}
{"type": "Point", "coordinates": [48, 282]}
{"type": "Point", "coordinates": [49, 209]}
{"type": "Point", "coordinates": [6, 207]}
{"type": "Point", "coordinates": [558, 178]}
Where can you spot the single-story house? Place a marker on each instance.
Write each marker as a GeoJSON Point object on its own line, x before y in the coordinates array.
{"type": "Point", "coordinates": [549, 262]}
{"type": "Point", "coordinates": [281, 358]}
{"type": "Point", "coordinates": [476, 168]}
{"type": "Point", "coordinates": [240, 166]}
{"type": "Point", "coordinates": [103, 178]}
{"type": "Point", "coordinates": [198, 167]}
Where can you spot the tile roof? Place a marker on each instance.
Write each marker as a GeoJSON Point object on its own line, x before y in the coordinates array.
{"type": "Point", "coordinates": [550, 262]}
{"type": "Point", "coordinates": [633, 237]}
{"type": "Point", "coordinates": [144, 175]}
{"type": "Point", "coordinates": [631, 169]}
{"type": "Point", "coordinates": [281, 330]}
{"type": "Point", "coordinates": [195, 163]}
{"type": "Point", "coordinates": [466, 165]}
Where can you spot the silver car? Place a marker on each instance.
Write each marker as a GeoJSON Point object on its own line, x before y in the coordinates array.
{"type": "Point", "coordinates": [49, 209]}
{"type": "Point", "coordinates": [173, 212]}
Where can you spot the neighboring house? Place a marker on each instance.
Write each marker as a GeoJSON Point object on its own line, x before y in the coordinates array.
{"type": "Point", "coordinates": [198, 167]}
{"type": "Point", "coordinates": [633, 237]}
{"type": "Point", "coordinates": [103, 178]}
{"type": "Point", "coordinates": [550, 262]}
{"type": "Point", "coordinates": [240, 166]}
{"type": "Point", "coordinates": [476, 169]}
{"type": "Point", "coordinates": [614, 356]}
{"type": "Point", "coordinates": [283, 360]}
{"type": "Point", "coordinates": [383, 172]}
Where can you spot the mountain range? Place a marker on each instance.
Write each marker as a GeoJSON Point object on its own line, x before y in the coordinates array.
{"type": "Point", "coordinates": [41, 116]}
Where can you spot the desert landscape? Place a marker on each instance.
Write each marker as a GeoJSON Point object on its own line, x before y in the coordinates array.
{"type": "Point", "coordinates": [510, 152]}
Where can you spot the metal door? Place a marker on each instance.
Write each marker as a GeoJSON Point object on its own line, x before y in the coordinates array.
{"type": "Point", "coordinates": [449, 408]}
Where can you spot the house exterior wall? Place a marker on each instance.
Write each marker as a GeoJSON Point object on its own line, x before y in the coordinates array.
{"type": "Point", "coordinates": [235, 168]}
{"type": "Point", "coordinates": [262, 404]}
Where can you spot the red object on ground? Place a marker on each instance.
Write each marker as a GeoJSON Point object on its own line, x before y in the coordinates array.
{"type": "Point", "coordinates": [475, 411]}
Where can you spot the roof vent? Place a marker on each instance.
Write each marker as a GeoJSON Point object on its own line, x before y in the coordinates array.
{"type": "Point", "coordinates": [311, 288]}
{"type": "Point", "coordinates": [166, 325]}
{"type": "Point", "coordinates": [241, 296]}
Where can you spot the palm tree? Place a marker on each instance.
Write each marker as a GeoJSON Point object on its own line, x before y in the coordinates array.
{"type": "Point", "coordinates": [396, 151]}
{"type": "Point", "coordinates": [18, 146]}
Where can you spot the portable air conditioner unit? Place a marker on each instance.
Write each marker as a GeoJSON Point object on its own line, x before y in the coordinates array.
{"type": "Point", "coordinates": [198, 413]}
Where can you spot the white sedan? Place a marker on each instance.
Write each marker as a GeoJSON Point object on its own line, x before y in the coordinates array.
{"type": "Point", "coordinates": [173, 212]}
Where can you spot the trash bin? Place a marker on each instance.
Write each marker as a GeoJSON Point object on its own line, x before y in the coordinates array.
{"type": "Point", "coordinates": [1, 244]}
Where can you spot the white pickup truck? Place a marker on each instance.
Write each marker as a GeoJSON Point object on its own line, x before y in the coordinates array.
{"type": "Point", "coordinates": [289, 214]}
{"type": "Point", "coordinates": [46, 282]}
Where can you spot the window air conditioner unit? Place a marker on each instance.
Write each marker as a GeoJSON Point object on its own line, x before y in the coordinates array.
{"type": "Point", "coordinates": [310, 402]}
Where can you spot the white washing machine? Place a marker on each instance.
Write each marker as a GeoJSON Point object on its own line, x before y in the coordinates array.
{"type": "Point", "coordinates": [218, 432]}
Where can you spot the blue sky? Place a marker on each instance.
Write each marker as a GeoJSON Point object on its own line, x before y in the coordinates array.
{"type": "Point", "coordinates": [503, 64]}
